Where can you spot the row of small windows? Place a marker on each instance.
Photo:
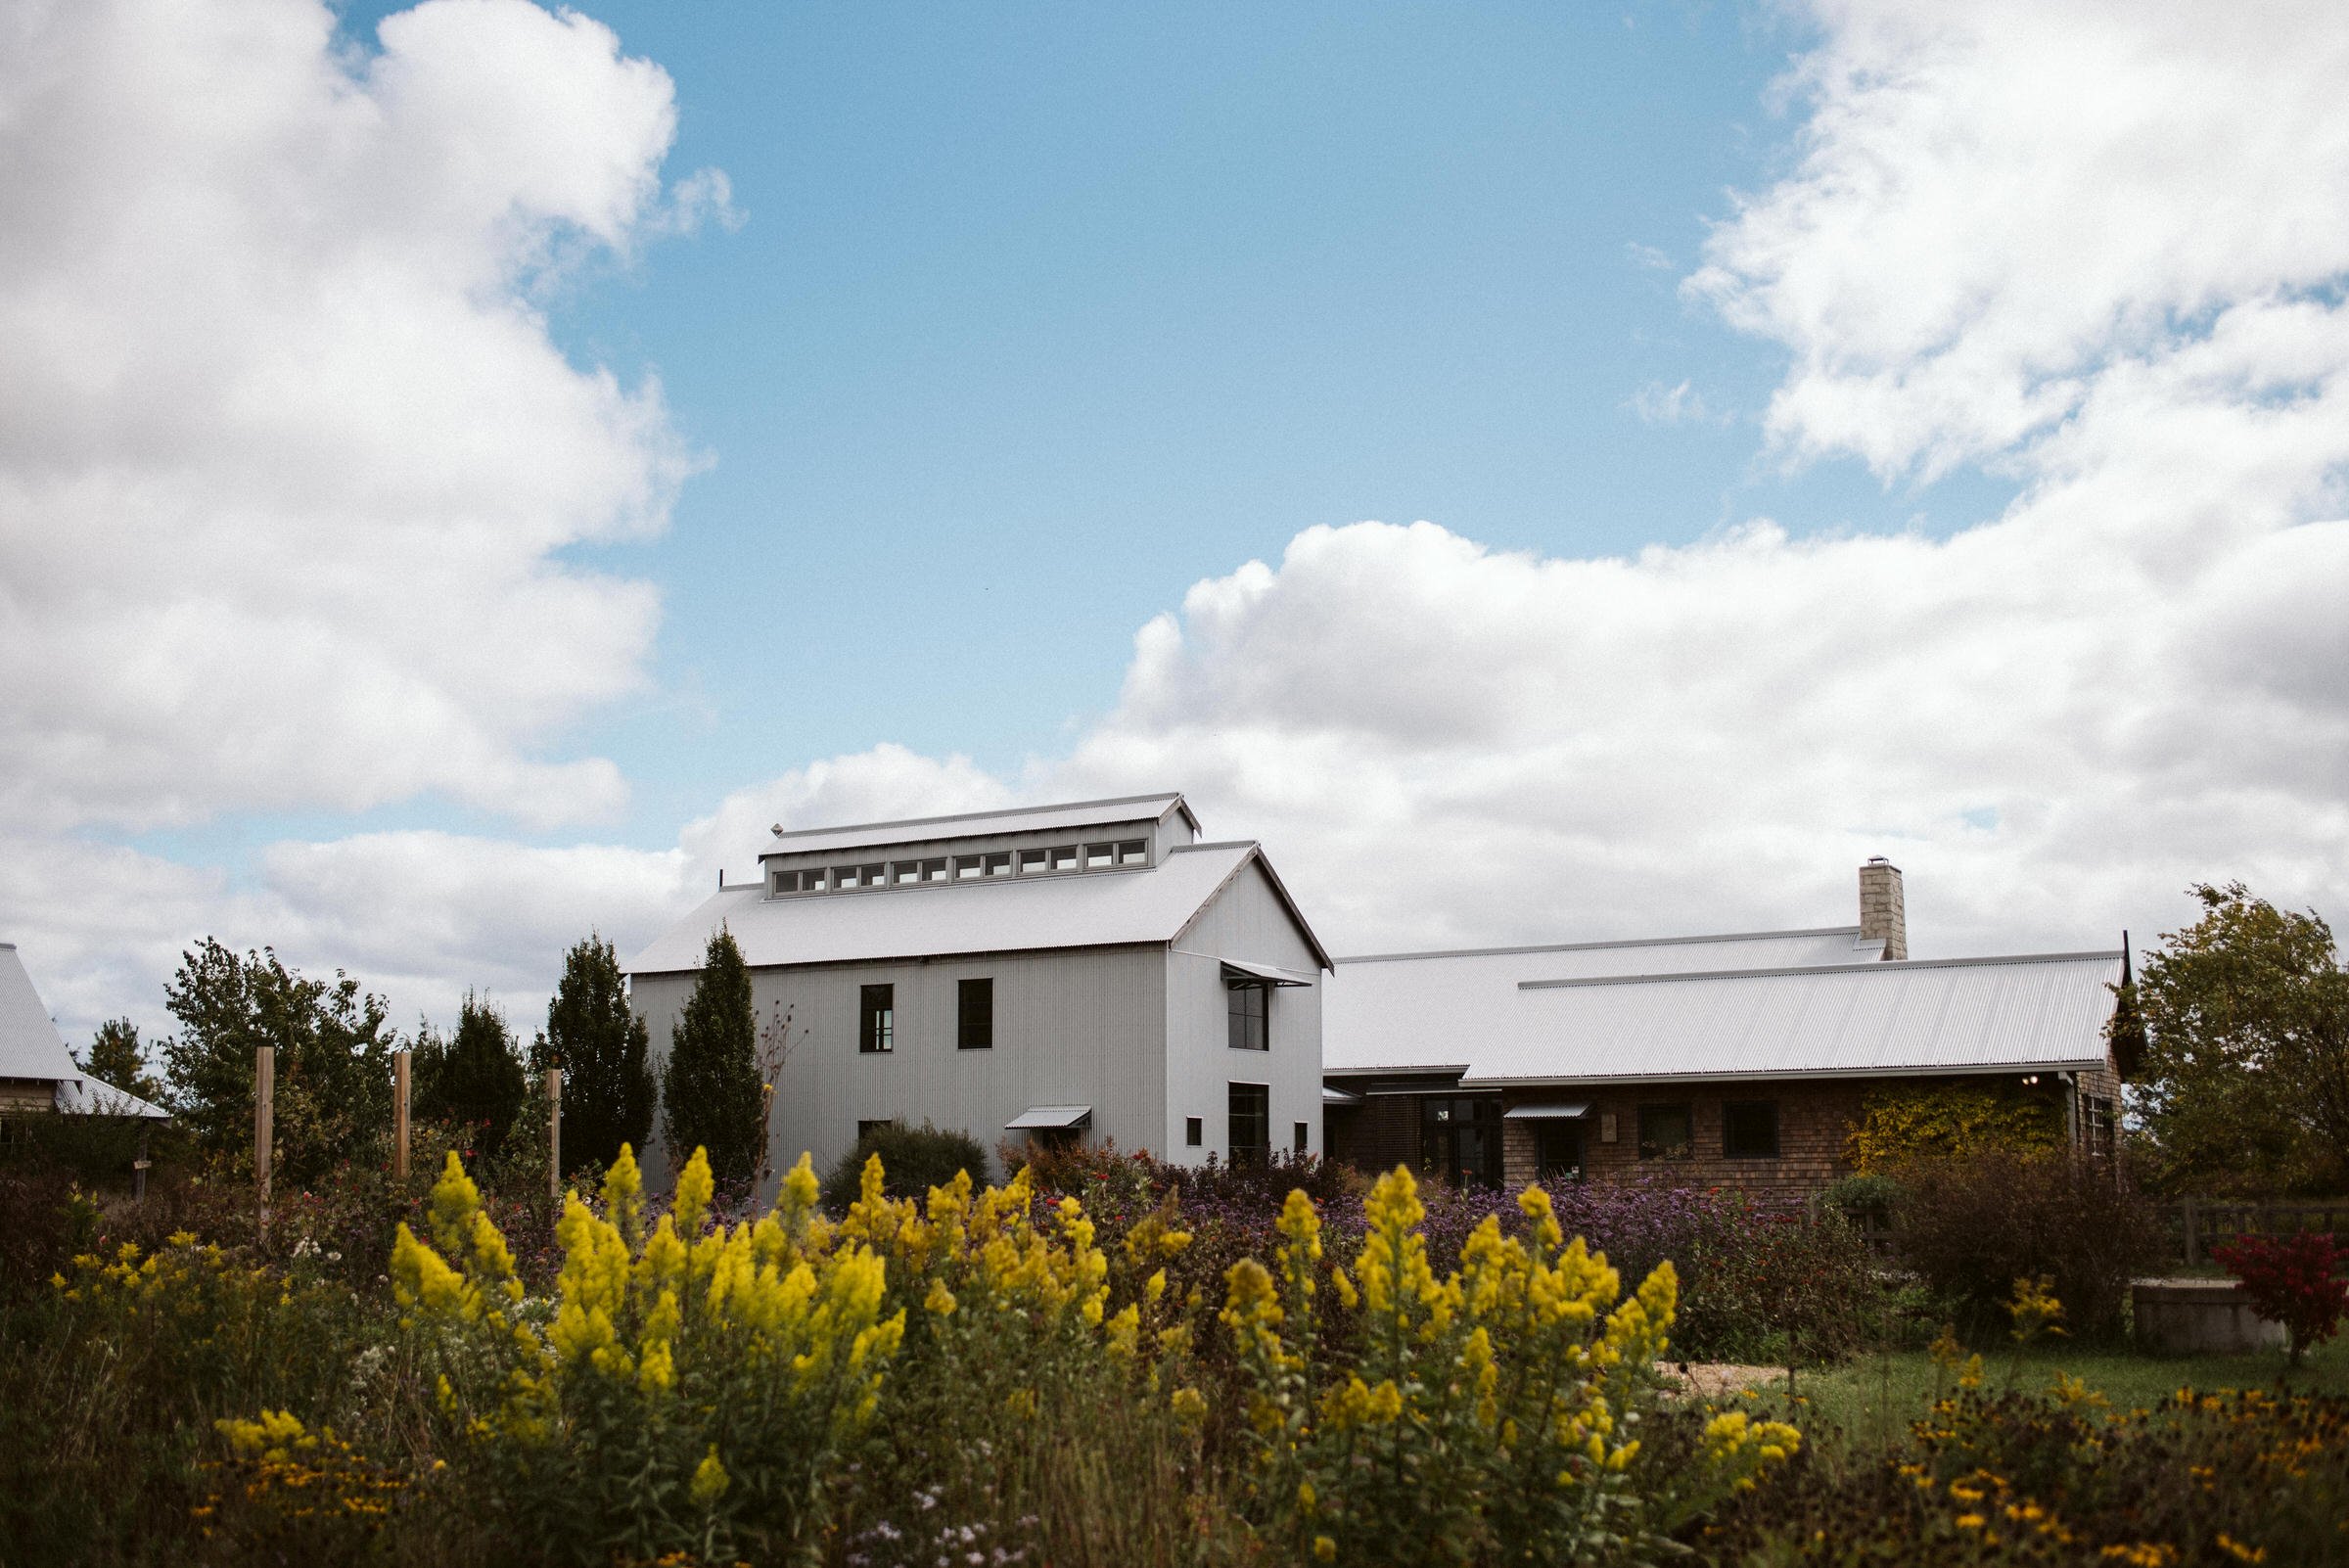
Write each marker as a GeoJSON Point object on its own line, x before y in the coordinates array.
{"type": "Point", "coordinates": [1045, 861]}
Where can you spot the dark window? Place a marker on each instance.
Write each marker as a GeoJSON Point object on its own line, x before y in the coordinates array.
{"type": "Point", "coordinates": [849, 876]}
{"type": "Point", "coordinates": [1459, 1140]}
{"type": "Point", "coordinates": [1664, 1132]}
{"type": "Point", "coordinates": [1247, 1001]}
{"type": "Point", "coordinates": [807, 881]}
{"type": "Point", "coordinates": [934, 870]}
{"type": "Point", "coordinates": [877, 1018]}
{"type": "Point", "coordinates": [1558, 1150]}
{"type": "Point", "coordinates": [1064, 857]}
{"type": "Point", "coordinates": [1099, 856]}
{"type": "Point", "coordinates": [1251, 1130]}
{"type": "Point", "coordinates": [969, 865]}
{"type": "Point", "coordinates": [2097, 1126]}
{"type": "Point", "coordinates": [1194, 1131]}
{"type": "Point", "coordinates": [1302, 1133]}
{"type": "Point", "coordinates": [1133, 851]}
{"type": "Point", "coordinates": [1031, 860]}
{"type": "Point", "coordinates": [1749, 1129]}
{"type": "Point", "coordinates": [865, 1130]}
{"type": "Point", "coordinates": [975, 1014]}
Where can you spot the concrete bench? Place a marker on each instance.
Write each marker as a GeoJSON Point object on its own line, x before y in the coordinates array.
{"type": "Point", "coordinates": [2200, 1317]}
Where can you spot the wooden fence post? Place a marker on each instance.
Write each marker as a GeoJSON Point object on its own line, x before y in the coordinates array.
{"type": "Point", "coordinates": [2194, 1234]}
{"type": "Point", "coordinates": [265, 1123]}
{"type": "Point", "coordinates": [554, 1133]}
{"type": "Point", "coordinates": [399, 1116]}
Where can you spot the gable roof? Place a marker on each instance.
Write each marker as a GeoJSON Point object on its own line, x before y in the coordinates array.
{"type": "Point", "coordinates": [29, 1045]}
{"type": "Point", "coordinates": [973, 824]}
{"type": "Point", "coordinates": [2035, 1012]}
{"type": "Point", "coordinates": [1082, 909]}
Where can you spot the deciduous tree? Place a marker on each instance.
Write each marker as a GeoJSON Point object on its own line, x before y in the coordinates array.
{"type": "Point", "coordinates": [334, 1056]}
{"type": "Point", "coordinates": [2245, 1081]}
{"type": "Point", "coordinates": [116, 1059]}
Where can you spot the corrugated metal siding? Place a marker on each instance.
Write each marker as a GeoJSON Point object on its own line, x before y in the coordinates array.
{"type": "Point", "coordinates": [1072, 1028]}
{"type": "Point", "coordinates": [1248, 921]}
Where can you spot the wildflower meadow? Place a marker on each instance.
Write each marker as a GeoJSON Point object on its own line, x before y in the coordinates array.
{"type": "Point", "coordinates": [1098, 1360]}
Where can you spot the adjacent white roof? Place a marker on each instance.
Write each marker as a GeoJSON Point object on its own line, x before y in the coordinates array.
{"type": "Point", "coordinates": [89, 1096]}
{"type": "Point", "coordinates": [973, 824]}
{"type": "Point", "coordinates": [29, 1045]}
{"type": "Point", "coordinates": [2042, 1011]}
{"type": "Point", "coordinates": [1082, 909]}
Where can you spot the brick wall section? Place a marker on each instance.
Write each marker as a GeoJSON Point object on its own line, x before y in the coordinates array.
{"type": "Point", "coordinates": [1814, 1116]}
{"type": "Point", "coordinates": [1379, 1135]}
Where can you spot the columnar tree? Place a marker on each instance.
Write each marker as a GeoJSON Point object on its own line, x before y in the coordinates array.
{"type": "Point", "coordinates": [603, 1048]}
{"type": "Point", "coordinates": [334, 1055]}
{"type": "Point", "coordinates": [474, 1078]}
{"type": "Point", "coordinates": [711, 1096]}
{"type": "Point", "coordinates": [116, 1059]}
{"type": "Point", "coordinates": [2245, 1081]}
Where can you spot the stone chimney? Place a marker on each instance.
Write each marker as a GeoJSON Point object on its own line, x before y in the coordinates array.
{"type": "Point", "coordinates": [1883, 910]}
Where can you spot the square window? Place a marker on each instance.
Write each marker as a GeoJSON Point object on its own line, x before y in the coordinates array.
{"type": "Point", "coordinates": [975, 1014]}
{"type": "Point", "coordinates": [1666, 1133]}
{"type": "Point", "coordinates": [865, 1130]}
{"type": "Point", "coordinates": [1246, 1004]}
{"type": "Point", "coordinates": [902, 872]}
{"type": "Point", "coordinates": [812, 881]}
{"type": "Point", "coordinates": [1304, 1134]}
{"type": "Point", "coordinates": [998, 864]}
{"type": "Point", "coordinates": [1030, 862]}
{"type": "Point", "coordinates": [1558, 1152]}
{"type": "Point", "coordinates": [848, 876]}
{"type": "Point", "coordinates": [1749, 1129]}
{"type": "Point", "coordinates": [1099, 856]}
{"type": "Point", "coordinates": [877, 1018]}
{"type": "Point", "coordinates": [1194, 1131]}
{"type": "Point", "coordinates": [934, 870]}
{"type": "Point", "coordinates": [1064, 856]}
{"type": "Point", "coordinates": [784, 882]}
{"type": "Point", "coordinates": [1133, 851]}
{"type": "Point", "coordinates": [969, 865]}
{"type": "Point", "coordinates": [1250, 1109]}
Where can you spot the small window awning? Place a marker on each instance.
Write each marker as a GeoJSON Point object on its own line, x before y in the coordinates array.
{"type": "Point", "coordinates": [1547, 1111]}
{"type": "Point", "coordinates": [1049, 1119]}
{"type": "Point", "coordinates": [1331, 1095]}
{"type": "Point", "coordinates": [1262, 973]}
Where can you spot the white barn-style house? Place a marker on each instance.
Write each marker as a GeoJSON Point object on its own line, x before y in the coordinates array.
{"type": "Point", "coordinates": [1091, 970]}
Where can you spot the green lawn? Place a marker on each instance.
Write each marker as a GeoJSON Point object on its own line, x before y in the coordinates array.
{"type": "Point", "coordinates": [1854, 1411]}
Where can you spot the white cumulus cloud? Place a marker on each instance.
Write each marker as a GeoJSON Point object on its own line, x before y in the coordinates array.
{"type": "Point", "coordinates": [286, 452]}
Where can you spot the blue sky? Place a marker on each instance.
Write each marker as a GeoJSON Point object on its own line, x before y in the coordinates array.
{"type": "Point", "coordinates": [1043, 313]}
{"type": "Point", "coordinates": [1043, 399]}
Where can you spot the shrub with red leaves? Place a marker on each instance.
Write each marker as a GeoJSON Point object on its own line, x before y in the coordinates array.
{"type": "Point", "coordinates": [2291, 1280]}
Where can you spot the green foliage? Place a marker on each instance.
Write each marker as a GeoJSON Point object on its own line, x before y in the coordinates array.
{"type": "Point", "coordinates": [711, 1094]}
{"type": "Point", "coordinates": [2062, 1478]}
{"type": "Point", "coordinates": [601, 1046]}
{"type": "Point", "coordinates": [2245, 1083]}
{"type": "Point", "coordinates": [914, 1158]}
{"type": "Point", "coordinates": [1870, 1192]}
{"type": "Point", "coordinates": [334, 1056]}
{"type": "Point", "coordinates": [116, 1059]}
{"type": "Point", "coordinates": [1943, 1121]}
{"type": "Point", "coordinates": [1972, 1227]}
{"type": "Point", "coordinates": [474, 1078]}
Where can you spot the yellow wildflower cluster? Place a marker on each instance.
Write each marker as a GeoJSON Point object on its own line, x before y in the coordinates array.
{"type": "Point", "coordinates": [288, 1482]}
{"type": "Point", "coordinates": [1509, 1389]}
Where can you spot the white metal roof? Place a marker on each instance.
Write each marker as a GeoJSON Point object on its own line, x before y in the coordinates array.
{"type": "Point", "coordinates": [29, 1045]}
{"type": "Point", "coordinates": [975, 824]}
{"type": "Point", "coordinates": [2045, 1011]}
{"type": "Point", "coordinates": [89, 1096]}
{"type": "Point", "coordinates": [1082, 909]}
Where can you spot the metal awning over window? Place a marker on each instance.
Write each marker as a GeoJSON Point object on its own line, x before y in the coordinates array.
{"type": "Point", "coordinates": [1547, 1111]}
{"type": "Point", "coordinates": [1262, 975]}
{"type": "Point", "coordinates": [1049, 1119]}
{"type": "Point", "coordinates": [1331, 1095]}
